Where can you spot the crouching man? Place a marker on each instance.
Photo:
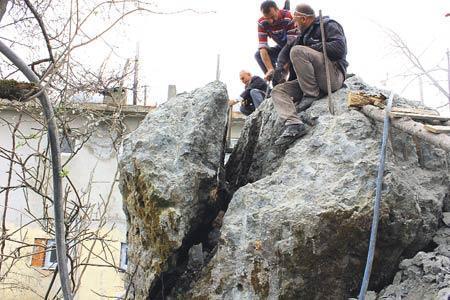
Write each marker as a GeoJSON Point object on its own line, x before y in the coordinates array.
{"type": "Point", "coordinates": [254, 93]}
{"type": "Point", "coordinates": [305, 55]}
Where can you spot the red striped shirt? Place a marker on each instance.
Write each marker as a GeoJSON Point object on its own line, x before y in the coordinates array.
{"type": "Point", "coordinates": [280, 31]}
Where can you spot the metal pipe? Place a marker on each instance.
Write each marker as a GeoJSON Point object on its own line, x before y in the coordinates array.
{"type": "Point", "coordinates": [136, 76]}
{"type": "Point", "coordinates": [325, 58]}
{"type": "Point", "coordinates": [56, 168]}
{"type": "Point", "coordinates": [267, 90]}
{"type": "Point", "coordinates": [218, 68]}
{"type": "Point", "coordinates": [377, 204]}
{"type": "Point", "coordinates": [448, 79]}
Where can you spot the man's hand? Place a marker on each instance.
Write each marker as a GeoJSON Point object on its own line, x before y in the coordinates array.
{"type": "Point", "coordinates": [269, 74]}
{"type": "Point", "coordinates": [232, 102]}
{"type": "Point", "coordinates": [278, 76]}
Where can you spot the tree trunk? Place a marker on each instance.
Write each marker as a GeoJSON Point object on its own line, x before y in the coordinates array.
{"type": "Point", "coordinates": [411, 127]}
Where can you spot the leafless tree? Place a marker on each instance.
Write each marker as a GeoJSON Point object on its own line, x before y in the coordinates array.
{"type": "Point", "coordinates": [50, 34]}
{"type": "Point", "coordinates": [418, 69]}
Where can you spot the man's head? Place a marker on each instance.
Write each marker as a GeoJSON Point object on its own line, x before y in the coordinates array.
{"type": "Point", "coordinates": [269, 10]}
{"type": "Point", "coordinates": [304, 16]}
{"type": "Point", "coordinates": [245, 76]}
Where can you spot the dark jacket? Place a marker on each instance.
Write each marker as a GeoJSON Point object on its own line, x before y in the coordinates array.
{"type": "Point", "coordinates": [255, 83]}
{"type": "Point", "coordinates": [335, 41]}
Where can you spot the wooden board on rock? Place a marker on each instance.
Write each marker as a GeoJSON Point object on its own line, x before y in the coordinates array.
{"type": "Point", "coordinates": [419, 116]}
{"type": "Point", "coordinates": [412, 110]}
{"type": "Point", "coordinates": [359, 99]}
{"type": "Point", "coordinates": [437, 128]}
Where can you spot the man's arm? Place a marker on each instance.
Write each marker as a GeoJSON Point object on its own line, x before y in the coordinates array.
{"type": "Point", "coordinates": [258, 83]}
{"type": "Point", "coordinates": [232, 102]}
{"type": "Point", "coordinates": [246, 93]}
{"type": "Point", "coordinates": [267, 62]}
{"type": "Point", "coordinates": [284, 55]}
{"type": "Point", "coordinates": [336, 43]}
{"type": "Point", "coordinates": [263, 46]}
{"type": "Point", "coordinates": [292, 30]}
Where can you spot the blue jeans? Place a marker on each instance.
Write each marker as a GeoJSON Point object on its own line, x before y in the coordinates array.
{"type": "Point", "coordinates": [247, 109]}
{"type": "Point", "coordinates": [257, 98]}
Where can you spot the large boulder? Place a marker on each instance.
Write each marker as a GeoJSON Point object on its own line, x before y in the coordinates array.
{"type": "Point", "coordinates": [168, 166]}
{"type": "Point", "coordinates": [298, 224]}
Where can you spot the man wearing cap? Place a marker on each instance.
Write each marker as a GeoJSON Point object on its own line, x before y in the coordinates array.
{"type": "Point", "coordinates": [279, 25]}
{"type": "Point", "coordinates": [305, 54]}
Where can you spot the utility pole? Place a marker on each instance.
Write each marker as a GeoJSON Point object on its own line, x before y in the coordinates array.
{"type": "Point", "coordinates": [421, 90]}
{"type": "Point", "coordinates": [124, 73]}
{"type": "Point", "coordinates": [136, 75]}
{"type": "Point", "coordinates": [384, 82]}
{"type": "Point", "coordinates": [218, 68]}
{"type": "Point", "coordinates": [145, 95]}
{"type": "Point", "coordinates": [172, 91]}
{"type": "Point", "coordinates": [448, 79]}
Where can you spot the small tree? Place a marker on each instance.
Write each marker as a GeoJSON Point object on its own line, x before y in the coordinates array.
{"type": "Point", "coordinates": [418, 69]}
{"type": "Point", "coordinates": [53, 36]}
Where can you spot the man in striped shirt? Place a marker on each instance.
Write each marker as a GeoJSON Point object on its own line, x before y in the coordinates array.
{"type": "Point", "coordinates": [280, 27]}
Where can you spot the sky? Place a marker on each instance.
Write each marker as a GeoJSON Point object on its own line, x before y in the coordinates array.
{"type": "Point", "coordinates": [182, 49]}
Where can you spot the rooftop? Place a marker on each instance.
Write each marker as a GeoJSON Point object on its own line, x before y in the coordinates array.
{"type": "Point", "coordinates": [76, 107]}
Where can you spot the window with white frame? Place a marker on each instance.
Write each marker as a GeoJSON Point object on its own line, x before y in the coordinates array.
{"type": "Point", "coordinates": [51, 260]}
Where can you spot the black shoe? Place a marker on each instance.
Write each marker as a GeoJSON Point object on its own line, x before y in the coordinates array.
{"type": "Point", "coordinates": [321, 95]}
{"type": "Point", "coordinates": [308, 118]}
{"type": "Point", "coordinates": [291, 133]}
{"type": "Point", "coordinates": [305, 103]}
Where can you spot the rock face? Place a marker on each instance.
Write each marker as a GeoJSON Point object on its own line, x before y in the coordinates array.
{"type": "Point", "coordinates": [168, 166]}
{"type": "Point", "coordinates": [426, 276]}
{"type": "Point", "coordinates": [298, 224]}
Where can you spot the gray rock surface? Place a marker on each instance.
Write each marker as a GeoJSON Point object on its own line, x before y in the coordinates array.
{"type": "Point", "coordinates": [426, 276]}
{"type": "Point", "coordinates": [168, 166]}
{"type": "Point", "coordinates": [298, 224]}
{"type": "Point", "coordinates": [446, 218]}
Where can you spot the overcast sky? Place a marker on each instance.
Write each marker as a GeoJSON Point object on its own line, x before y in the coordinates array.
{"type": "Point", "coordinates": [182, 49]}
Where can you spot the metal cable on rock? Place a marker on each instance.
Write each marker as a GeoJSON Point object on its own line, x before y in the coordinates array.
{"type": "Point", "coordinates": [377, 204]}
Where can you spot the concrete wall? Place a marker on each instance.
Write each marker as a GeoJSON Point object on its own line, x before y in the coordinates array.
{"type": "Point", "coordinates": [92, 171]}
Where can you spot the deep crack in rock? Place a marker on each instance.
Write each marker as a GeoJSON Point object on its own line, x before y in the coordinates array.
{"type": "Point", "coordinates": [297, 220]}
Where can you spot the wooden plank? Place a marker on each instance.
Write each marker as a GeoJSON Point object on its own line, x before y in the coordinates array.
{"type": "Point", "coordinates": [359, 99]}
{"type": "Point", "coordinates": [419, 116]}
{"type": "Point", "coordinates": [413, 110]}
{"type": "Point", "coordinates": [437, 128]}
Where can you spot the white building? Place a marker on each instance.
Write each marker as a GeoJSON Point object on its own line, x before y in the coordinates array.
{"type": "Point", "coordinates": [93, 131]}
{"type": "Point", "coordinates": [97, 231]}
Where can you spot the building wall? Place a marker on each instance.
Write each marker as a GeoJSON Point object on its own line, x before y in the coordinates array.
{"type": "Point", "coordinates": [93, 171]}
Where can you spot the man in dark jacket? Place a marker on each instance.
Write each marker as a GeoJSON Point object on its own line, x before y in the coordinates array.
{"type": "Point", "coordinates": [254, 93]}
{"type": "Point", "coordinates": [305, 54]}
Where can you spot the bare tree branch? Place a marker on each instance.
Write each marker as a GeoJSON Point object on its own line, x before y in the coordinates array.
{"type": "Point", "coordinates": [42, 26]}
